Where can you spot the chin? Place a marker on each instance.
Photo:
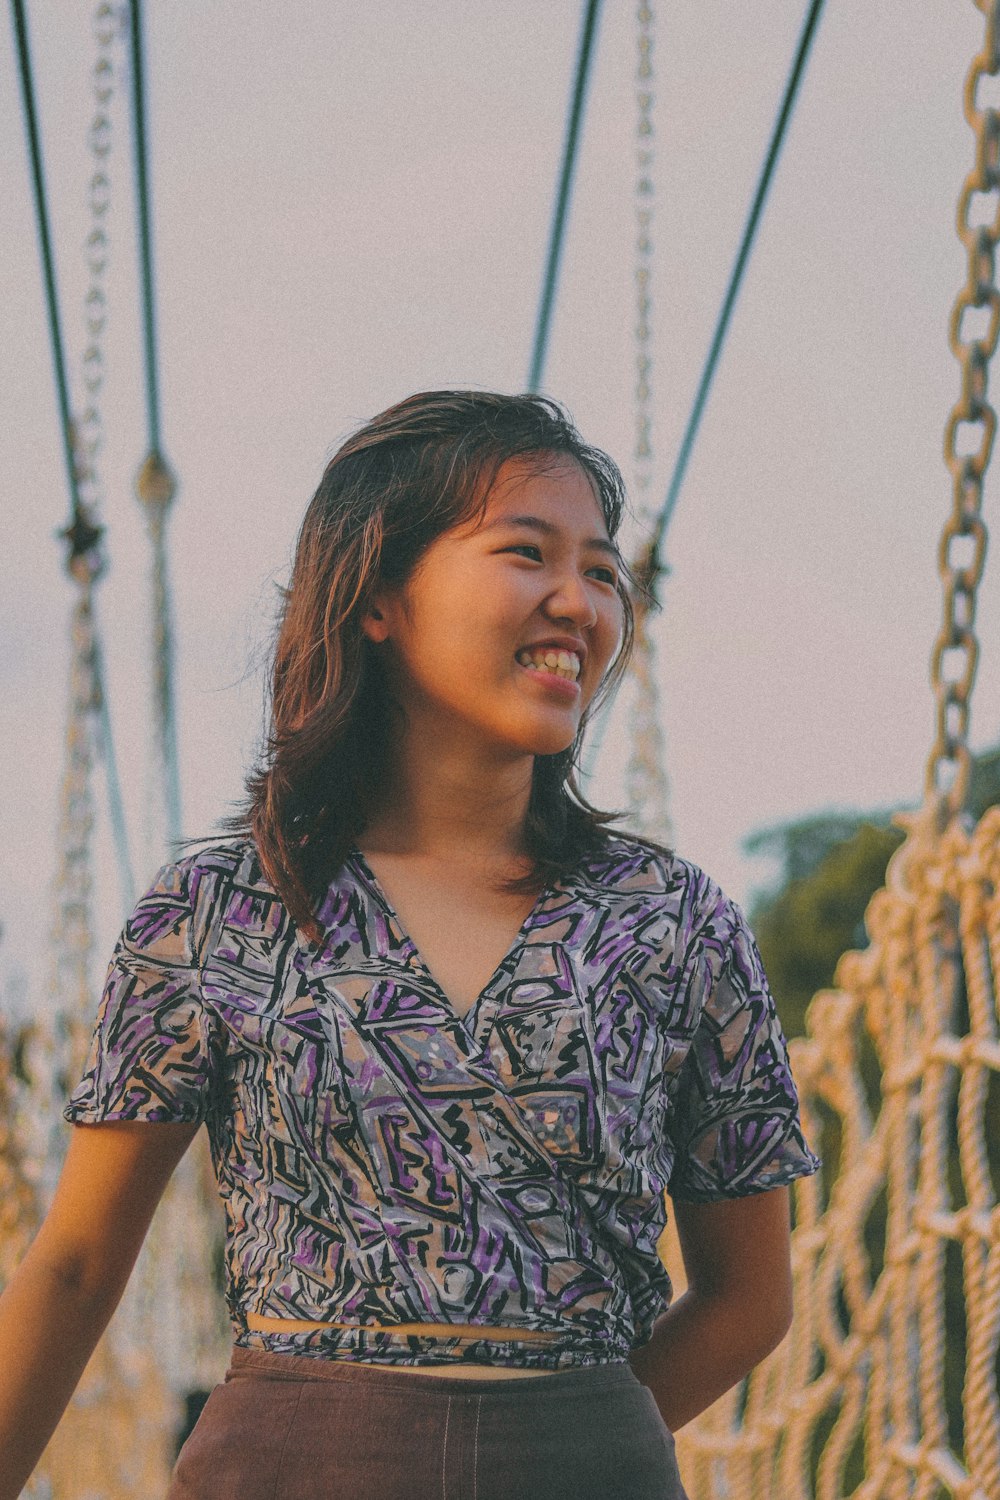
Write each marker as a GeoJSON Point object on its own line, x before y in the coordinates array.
{"type": "Point", "coordinates": [548, 742]}
{"type": "Point", "coordinates": [537, 734]}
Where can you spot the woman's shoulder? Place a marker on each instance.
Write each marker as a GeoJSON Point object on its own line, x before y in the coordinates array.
{"type": "Point", "coordinates": [634, 866]}
{"type": "Point", "coordinates": [669, 904]}
{"type": "Point", "coordinates": [197, 893]}
{"type": "Point", "coordinates": [227, 855]}
{"type": "Point", "coordinates": [199, 877]}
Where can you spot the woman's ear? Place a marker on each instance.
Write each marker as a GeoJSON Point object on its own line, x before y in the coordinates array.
{"type": "Point", "coordinates": [374, 624]}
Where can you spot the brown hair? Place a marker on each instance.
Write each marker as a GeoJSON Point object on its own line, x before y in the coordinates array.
{"type": "Point", "coordinates": [411, 473]}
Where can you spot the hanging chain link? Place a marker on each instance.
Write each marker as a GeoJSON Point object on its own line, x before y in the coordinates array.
{"type": "Point", "coordinates": [58, 1053]}
{"type": "Point", "coordinates": [58, 1048]}
{"type": "Point", "coordinates": [643, 452]}
{"type": "Point", "coordinates": [646, 787]}
{"type": "Point", "coordinates": [88, 426]}
{"type": "Point", "coordinates": [968, 440]}
{"type": "Point", "coordinates": [646, 566]}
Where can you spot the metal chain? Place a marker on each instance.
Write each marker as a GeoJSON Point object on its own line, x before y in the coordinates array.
{"type": "Point", "coordinates": [972, 336]}
{"type": "Point", "coordinates": [646, 788]}
{"type": "Point", "coordinates": [57, 1054]}
{"type": "Point", "coordinates": [88, 426]}
{"type": "Point", "coordinates": [646, 570]}
{"type": "Point", "coordinates": [87, 437]}
{"type": "Point", "coordinates": [644, 187]}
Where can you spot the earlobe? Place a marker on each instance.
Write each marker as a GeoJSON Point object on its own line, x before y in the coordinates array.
{"type": "Point", "coordinates": [375, 625]}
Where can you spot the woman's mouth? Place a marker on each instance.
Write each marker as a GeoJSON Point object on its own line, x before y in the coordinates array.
{"type": "Point", "coordinates": [553, 667]}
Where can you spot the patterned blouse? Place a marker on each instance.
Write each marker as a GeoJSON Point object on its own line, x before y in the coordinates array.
{"type": "Point", "coordinates": [383, 1160]}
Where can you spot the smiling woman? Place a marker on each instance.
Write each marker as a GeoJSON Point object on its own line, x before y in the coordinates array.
{"type": "Point", "coordinates": [514, 673]}
{"type": "Point", "coordinates": [414, 551]}
{"type": "Point", "coordinates": [452, 1036]}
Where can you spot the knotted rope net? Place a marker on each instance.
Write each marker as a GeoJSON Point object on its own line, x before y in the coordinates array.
{"type": "Point", "coordinates": [898, 1077]}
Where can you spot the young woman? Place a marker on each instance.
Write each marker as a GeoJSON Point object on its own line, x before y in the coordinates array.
{"type": "Point", "coordinates": [452, 1036]}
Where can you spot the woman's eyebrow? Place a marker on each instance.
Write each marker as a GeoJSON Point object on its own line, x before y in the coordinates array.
{"type": "Point", "coordinates": [537, 523]}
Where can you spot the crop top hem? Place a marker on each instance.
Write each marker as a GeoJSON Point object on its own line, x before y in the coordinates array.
{"type": "Point", "coordinates": [377, 1347]}
{"type": "Point", "coordinates": [150, 1114]}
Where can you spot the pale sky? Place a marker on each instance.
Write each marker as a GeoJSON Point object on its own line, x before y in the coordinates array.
{"type": "Point", "coordinates": [352, 203]}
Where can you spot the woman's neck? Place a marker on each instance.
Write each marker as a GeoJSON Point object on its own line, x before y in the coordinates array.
{"type": "Point", "coordinates": [443, 804]}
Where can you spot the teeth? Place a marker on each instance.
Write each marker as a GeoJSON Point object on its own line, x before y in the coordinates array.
{"type": "Point", "coordinates": [559, 663]}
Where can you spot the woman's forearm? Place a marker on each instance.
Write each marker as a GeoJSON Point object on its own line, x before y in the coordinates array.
{"type": "Point", "coordinates": [701, 1347]}
{"type": "Point", "coordinates": [48, 1331]}
{"type": "Point", "coordinates": [59, 1301]}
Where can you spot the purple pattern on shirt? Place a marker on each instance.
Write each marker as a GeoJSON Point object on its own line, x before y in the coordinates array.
{"type": "Point", "coordinates": [383, 1160]}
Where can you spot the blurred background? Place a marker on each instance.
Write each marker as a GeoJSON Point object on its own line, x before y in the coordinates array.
{"type": "Point", "coordinates": [351, 203]}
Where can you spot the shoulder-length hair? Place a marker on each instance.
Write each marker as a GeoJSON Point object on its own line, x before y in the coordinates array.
{"type": "Point", "coordinates": [416, 470]}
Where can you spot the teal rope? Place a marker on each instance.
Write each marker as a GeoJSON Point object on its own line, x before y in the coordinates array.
{"type": "Point", "coordinates": [45, 246]}
{"type": "Point", "coordinates": [562, 197]}
{"type": "Point", "coordinates": [735, 281]}
{"type": "Point", "coordinates": [145, 231]}
{"type": "Point", "coordinates": [82, 533]}
{"type": "Point", "coordinates": [652, 564]}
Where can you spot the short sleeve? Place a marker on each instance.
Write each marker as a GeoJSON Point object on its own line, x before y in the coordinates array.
{"type": "Point", "coordinates": [149, 1056]}
{"type": "Point", "coordinates": [737, 1128]}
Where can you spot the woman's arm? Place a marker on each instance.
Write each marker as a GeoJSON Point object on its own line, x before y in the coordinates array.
{"type": "Point", "coordinates": [737, 1308]}
{"type": "Point", "coordinates": [59, 1301]}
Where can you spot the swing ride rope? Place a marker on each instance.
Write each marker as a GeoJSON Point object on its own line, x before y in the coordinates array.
{"type": "Point", "coordinates": [81, 443]}
{"type": "Point", "coordinates": [89, 425]}
{"type": "Point", "coordinates": [174, 1268]}
{"type": "Point", "coordinates": [645, 777]}
{"type": "Point", "coordinates": [57, 1049]}
{"type": "Point", "coordinates": [649, 566]}
{"type": "Point", "coordinates": [855, 1401]}
{"type": "Point", "coordinates": [177, 1268]}
{"type": "Point", "coordinates": [51, 1049]}
{"type": "Point", "coordinates": [156, 485]}
{"type": "Point", "coordinates": [558, 230]}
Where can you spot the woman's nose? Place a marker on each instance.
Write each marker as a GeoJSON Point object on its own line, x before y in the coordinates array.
{"type": "Point", "coordinates": [572, 600]}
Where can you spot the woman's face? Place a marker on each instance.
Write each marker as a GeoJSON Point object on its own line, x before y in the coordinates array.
{"type": "Point", "coordinates": [503, 632]}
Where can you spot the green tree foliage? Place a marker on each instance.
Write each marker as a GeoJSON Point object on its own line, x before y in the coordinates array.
{"type": "Point", "coordinates": [804, 927]}
{"type": "Point", "coordinates": [830, 866]}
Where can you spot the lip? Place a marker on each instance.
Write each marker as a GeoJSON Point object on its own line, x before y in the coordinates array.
{"type": "Point", "coordinates": [563, 687]}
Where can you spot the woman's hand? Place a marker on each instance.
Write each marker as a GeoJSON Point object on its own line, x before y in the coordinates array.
{"type": "Point", "coordinates": [59, 1301]}
{"type": "Point", "coordinates": [737, 1308]}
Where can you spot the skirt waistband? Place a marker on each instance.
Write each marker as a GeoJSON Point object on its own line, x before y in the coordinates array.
{"type": "Point", "coordinates": [263, 1364]}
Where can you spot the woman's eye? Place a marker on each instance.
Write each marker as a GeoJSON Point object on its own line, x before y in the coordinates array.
{"type": "Point", "coordinates": [526, 546]}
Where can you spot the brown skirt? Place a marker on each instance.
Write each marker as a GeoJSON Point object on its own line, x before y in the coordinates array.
{"type": "Point", "coordinates": [295, 1427]}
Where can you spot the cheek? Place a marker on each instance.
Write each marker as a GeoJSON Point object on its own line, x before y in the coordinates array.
{"type": "Point", "coordinates": [608, 635]}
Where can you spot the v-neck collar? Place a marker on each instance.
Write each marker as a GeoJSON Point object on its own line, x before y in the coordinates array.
{"type": "Point", "coordinates": [470, 1020]}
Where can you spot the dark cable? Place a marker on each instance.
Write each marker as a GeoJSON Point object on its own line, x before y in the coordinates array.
{"type": "Point", "coordinates": [145, 234]}
{"type": "Point", "coordinates": [650, 566]}
{"type": "Point", "coordinates": [83, 534]}
{"type": "Point", "coordinates": [562, 199]}
{"type": "Point", "coordinates": [735, 279]}
{"type": "Point", "coordinates": [155, 483]}
{"type": "Point", "coordinates": [45, 245]}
